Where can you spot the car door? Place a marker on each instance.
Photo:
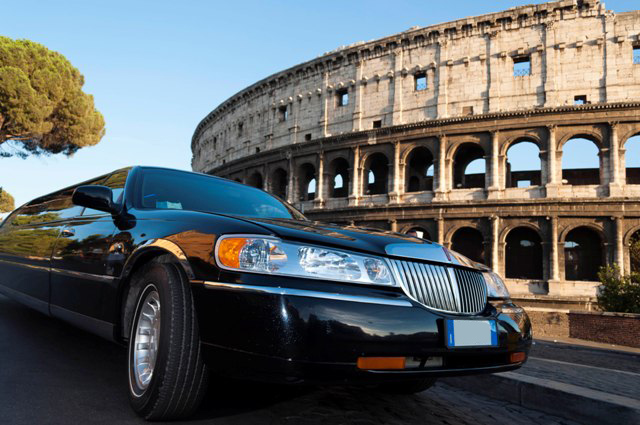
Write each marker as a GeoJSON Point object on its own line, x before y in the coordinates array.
{"type": "Point", "coordinates": [26, 243]}
{"type": "Point", "coordinates": [80, 275]}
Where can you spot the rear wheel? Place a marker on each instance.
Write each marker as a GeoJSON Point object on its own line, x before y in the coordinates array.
{"type": "Point", "coordinates": [408, 387]}
{"type": "Point", "coordinates": [167, 376]}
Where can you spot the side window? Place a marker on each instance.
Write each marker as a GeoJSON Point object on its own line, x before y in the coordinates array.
{"type": "Point", "coordinates": [116, 182]}
{"type": "Point", "coordinates": [61, 206]}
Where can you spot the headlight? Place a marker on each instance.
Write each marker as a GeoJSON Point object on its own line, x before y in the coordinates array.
{"type": "Point", "coordinates": [268, 255]}
{"type": "Point", "coordinates": [495, 286]}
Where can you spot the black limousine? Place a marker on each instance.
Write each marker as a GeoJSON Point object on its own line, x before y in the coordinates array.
{"type": "Point", "coordinates": [198, 274]}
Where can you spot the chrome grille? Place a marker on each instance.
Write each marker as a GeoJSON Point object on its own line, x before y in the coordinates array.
{"type": "Point", "coordinates": [442, 287]}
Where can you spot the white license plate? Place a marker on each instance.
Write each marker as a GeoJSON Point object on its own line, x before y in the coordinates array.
{"type": "Point", "coordinates": [471, 333]}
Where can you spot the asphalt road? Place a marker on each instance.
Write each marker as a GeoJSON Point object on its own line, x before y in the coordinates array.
{"type": "Point", "coordinates": [52, 373]}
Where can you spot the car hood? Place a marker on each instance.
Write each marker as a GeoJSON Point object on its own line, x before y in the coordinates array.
{"type": "Point", "coordinates": [366, 240]}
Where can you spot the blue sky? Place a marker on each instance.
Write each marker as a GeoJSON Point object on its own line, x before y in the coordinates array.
{"type": "Point", "coordinates": [156, 68]}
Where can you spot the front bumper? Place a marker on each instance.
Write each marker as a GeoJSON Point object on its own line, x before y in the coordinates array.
{"type": "Point", "coordinates": [297, 333]}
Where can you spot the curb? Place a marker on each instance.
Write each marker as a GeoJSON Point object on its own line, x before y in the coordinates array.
{"type": "Point", "coordinates": [555, 398]}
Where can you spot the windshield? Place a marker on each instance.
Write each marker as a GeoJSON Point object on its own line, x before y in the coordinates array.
{"type": "Point", "coordinates": [179, 190]}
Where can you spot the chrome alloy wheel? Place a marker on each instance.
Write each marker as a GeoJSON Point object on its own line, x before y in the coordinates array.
{"type": "Point", "coordinates": [146, 339]}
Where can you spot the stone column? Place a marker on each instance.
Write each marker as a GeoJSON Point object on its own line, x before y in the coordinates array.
{"type": "Point", "coordinates": [615, 186]}
{"type": "Point", "coordinates": [325, 96]}
{"type": "Point", "coordinates": [495, 243]}
{"type": "Point", "coordinates": [398, 92]}
{"type": "Point", "coordinates": [393, 223]}
{"type": "Point", "coordinates": [555, 267]}
{"type": "Point", "coordinates": [440, 223]}
{"type": "Point", "coordinates": [618, 255]}
{"type": "Point", "coordinates": [492, 180]}
{"type": "Point", "coordinates": [552, 166]}
{"type": "Point", "coordinates": [291, 192]}
{"type": "Point", "coordinates": [397, 187]}
{"type": "Point", "coordinates": [354, 196]}
{"type": "Point", "coordinates": [318, 202]}
{"type": "Point", "coordinates": [358, 92]}
{"type": "Point", "coordinates": [441, 185]}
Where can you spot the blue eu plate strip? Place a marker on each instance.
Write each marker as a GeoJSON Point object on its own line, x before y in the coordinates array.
{"type": "Point", "coordinates": [450, 337]}
{"type": "Point", "coordinates": [494, 333]}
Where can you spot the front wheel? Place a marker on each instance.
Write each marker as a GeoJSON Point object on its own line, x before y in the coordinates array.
{"type": "Point", "coordinates": [167, 376]}
{"type": "Point", "coordinates": [408, 387]}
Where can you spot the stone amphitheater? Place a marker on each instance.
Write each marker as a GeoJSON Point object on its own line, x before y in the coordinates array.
{"type": "Point", "coordinates": [414, 133]}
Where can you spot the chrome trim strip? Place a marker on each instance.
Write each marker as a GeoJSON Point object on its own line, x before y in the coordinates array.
{"type": "Point", "coordinates": [278, 290]}
{"type": "Point", "coordinates": [83, 275]}
{"type": "Point", "coordinates": [26, 266]}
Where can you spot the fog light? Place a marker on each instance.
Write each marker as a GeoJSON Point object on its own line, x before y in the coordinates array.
{"type": "Point", "coordinates": [381, 363]}
{"type": "Point", "coordinates": [517, 357]}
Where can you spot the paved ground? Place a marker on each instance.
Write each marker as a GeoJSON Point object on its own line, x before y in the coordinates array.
{"type": "Point", "coordinates": [51, 373]}
{"type": "Point", "coordinates": [603, 370]}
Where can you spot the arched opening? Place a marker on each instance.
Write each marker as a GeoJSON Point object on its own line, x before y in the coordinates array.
{"type": "Point", "coordinates": [634, 252]}
{"type": "Point", "coordinates": [279, 183]}
{"type": "Point", "coordinates": [632, 160]}
{"type": "Point", "coordinates": [470, 243]}
{"type": "Point", "coordinates": [523, 254]}
{"type": "Point", "coordinates": [307, 182]}
{"type": "Point", "coordinates": [418, 232]}
{"type": "Point", "coordinates": [419, 171]}
{"type": "Point", "coordinates": [469, 167]}
{"type": "Point", "coordinates": [377, 174]}
{"type": "Point", "coordinates": [523, 164]}
{"type": "Point", "coordinates": [582, 254]}
{"type": "Point", "coordinates": [255, 180]}
{"type": "Point", "coordinates": [580, 162]}
{"type": "Point", "coordinates": [339, 182]}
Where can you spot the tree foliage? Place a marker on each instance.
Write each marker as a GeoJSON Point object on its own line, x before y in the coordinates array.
{"type": "Point", "coordinates": [43, 109]}
{"type": "Point", "coordinates": [620, 294]}
{"type": "Point", "coordinates": [6, 201]}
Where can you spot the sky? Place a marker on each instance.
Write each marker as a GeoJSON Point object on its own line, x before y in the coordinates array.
{"type": "Point", "coordinates": [156, 68]}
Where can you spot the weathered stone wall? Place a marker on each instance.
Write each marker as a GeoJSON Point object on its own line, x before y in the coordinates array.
{"type": "Point", "coordinates": [576, 48]}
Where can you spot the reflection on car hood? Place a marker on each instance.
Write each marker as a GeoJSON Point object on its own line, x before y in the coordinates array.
{"type": "Point", "coordinates": [373, 241]}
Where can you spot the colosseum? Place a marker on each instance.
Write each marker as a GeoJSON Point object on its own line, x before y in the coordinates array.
{"type": "Point", "coordinates": [461, 133]}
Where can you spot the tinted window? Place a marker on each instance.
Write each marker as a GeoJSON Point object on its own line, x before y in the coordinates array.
{"type": "Point", "coordinates": [167, 189]}
{"type": "Point", "coordinates": [116, 182]}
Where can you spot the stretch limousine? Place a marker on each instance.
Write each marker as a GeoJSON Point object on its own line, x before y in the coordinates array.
{"type": "Point", "coordinates": [198, 274]}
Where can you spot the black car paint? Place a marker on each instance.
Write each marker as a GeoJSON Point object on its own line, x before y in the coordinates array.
{"type": "Point", "coordinates": [245, 332]}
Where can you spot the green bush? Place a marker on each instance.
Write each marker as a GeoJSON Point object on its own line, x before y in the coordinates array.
{"type": "Point", "coordinates": [620, 294]}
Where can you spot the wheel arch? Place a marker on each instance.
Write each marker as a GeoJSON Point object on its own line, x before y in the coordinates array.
{"type": "Point", "coordinates": [141, 256]}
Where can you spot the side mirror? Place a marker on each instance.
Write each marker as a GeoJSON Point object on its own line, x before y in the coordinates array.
{"type": "Point", "coordinates": [95, 197]}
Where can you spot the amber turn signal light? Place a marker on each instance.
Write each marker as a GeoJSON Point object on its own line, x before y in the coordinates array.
{"type": "Point", "coordinates": [229, 251]}
{"type": "Point", "coordinates": [517, 357]}
{"type": "Point", "coordinates": [381, 363]}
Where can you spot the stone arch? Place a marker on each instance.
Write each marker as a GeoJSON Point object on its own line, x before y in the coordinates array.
{"type": "Point", "coordinates": [279, 183]}
{"type": "Point", "coordinates": [339, 181]}
{"type": "Point", "coordinates": [417, 231]}
{"type": "Point", "coordinates": [256, 180]}
{"type": "Point", "coordinates": [419, 169]}
{"type": "Point", "coordinates": [583, 253]}
{"type": "Point", "coordinates": [632, 237]}
{"type": "Point", "coordinates": [465, 154]}
{"type": "Point", "coordinates": [470, 243]}
{"type": "Point", "coordinates": [572, 156]}
{"type": "Point", "coordinates": [523, 241]}
{"type": "Point", "coordinates": [307, 183]}
{"type": "Point", "coordinates": [632, 159]}
{"type": "Point", "coordinates": [517, 173]}
{"type": "Point", "coordinates": [376, 174]}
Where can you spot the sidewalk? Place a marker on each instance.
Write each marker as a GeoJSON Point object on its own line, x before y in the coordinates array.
{"type": "Point", "coordinates": [579, 380]}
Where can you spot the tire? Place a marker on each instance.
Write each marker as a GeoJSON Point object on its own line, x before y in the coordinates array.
{"type": "Point", "coordinates": [407, 387]}
{"type": "Point", "coordinates": [171, 383]}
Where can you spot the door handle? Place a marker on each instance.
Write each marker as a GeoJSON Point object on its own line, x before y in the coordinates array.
{"type": "Point", "coordinates": [67, 233]}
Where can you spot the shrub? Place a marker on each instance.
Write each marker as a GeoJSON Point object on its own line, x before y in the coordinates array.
{"type": "Point", "coordinates": [620, 294]}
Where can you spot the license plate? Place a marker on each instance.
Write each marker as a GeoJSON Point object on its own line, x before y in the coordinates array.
{"type": "Point", "coordinates": [471, 333]}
